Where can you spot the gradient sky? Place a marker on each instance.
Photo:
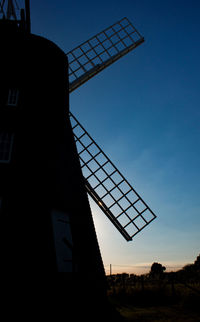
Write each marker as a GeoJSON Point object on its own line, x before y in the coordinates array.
{"type": "Point", "coordinates": [144, 112]}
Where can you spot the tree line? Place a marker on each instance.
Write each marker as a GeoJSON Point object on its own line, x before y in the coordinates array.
{"type": "Point", "coordinates": [189, 273]}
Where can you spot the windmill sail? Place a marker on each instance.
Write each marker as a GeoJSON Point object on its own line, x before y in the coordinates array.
{"type": "Point", "coordinates": [9, 9]}
{"type": "Point", "coordinates": [104, 183]}
{"type": "Point", "coordinates": [100, 51]}
{"type": "Point", "coordinates": [108, 187]}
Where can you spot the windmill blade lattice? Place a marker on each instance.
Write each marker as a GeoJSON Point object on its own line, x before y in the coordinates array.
{"type": "Point", "coordinates": [10, 9]}
{"type": "Point", "coordinates": [100, 51]}
{"type": "Point", "coordinates": [108, 187]}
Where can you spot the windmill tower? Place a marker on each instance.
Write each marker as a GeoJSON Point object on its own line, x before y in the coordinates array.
{"type": "Point", "coordinates": [49, 162]}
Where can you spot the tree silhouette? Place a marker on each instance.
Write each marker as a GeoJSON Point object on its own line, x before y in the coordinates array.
{"type": "Point", "coordinates": [157, 269]}
{"type": "Point", "coordinates": [197, 262]}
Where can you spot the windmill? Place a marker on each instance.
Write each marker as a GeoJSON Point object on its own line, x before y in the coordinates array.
{"type": "Point", "coordinates": [57, 163]}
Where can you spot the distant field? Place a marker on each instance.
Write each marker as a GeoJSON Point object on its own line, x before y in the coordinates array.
{"type": "Point", "coordinates": [156, 300]}
{"type": "Point", "coordinates": [157, 314]}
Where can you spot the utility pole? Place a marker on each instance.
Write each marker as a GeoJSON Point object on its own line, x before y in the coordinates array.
{"type": "Point", "coordinates": [110, 269]}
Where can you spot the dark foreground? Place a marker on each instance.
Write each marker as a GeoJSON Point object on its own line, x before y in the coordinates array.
{"type": "Point", "coordinates": [157, 314]}
{"type": "Point", "coordinates": [156, 305]}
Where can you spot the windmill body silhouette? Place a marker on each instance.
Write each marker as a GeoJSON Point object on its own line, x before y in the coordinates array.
{"type": "Point", "coordinates": [49, 162]}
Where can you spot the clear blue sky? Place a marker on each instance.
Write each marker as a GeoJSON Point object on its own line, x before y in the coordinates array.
{"type": "Point", "coordinates": [144, 111]}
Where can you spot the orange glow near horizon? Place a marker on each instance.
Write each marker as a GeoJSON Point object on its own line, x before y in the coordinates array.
{"type": "Point", "coordinates": [137, 270]}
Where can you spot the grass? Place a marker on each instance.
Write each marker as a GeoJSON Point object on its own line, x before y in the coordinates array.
{"type": "Point", "coordinates": [156, 303]}
{"type": "Point", "coordinates": [155, 314]}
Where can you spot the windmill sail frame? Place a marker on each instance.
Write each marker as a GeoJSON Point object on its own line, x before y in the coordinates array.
{"type": "Point", "coordinates": [108, 187]}
{"type": "Point", "coordinates": [100, 51]}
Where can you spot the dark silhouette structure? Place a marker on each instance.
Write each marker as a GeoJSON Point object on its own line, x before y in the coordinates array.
{"type": "Point", "coordinates": [45, 213]}
{"type": "Point", "coordinates": [46, 221]}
